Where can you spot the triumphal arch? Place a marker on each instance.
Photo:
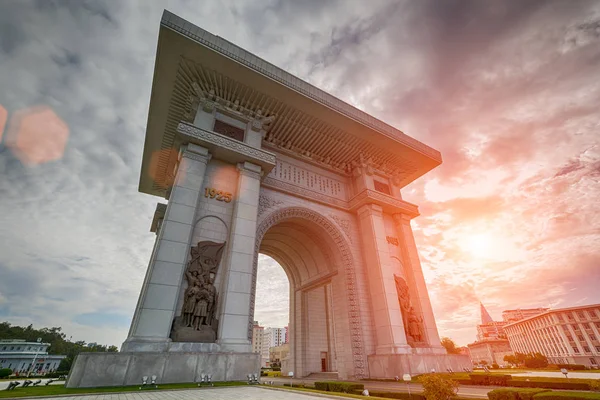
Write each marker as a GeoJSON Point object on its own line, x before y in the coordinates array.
{"type": "Point", "coordinates": [254, 160]}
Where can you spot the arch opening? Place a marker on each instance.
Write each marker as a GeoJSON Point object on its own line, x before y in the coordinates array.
{"type": "Point", "coordinates": [312, 261]}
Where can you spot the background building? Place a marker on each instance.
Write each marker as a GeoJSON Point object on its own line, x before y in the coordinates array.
{"type": "Point", "coordinates": [564, 336]}
{"type": "Point", "coordinates": [489, 329]}
{"type": "Point", "coordinates": [510, 316]}
{"type": "Point", "coordinates": [19, 355]}
{"type": "Point", "coordinates": [491, 351]}
{"type": "Point", "coordinates": [257, 337]}
{"type": "Point", "coordinates": [287, 337]}
{"type": "Point", "coordinates": [274, 336]}
{"type": "Point", "coordinates": [278, 353]}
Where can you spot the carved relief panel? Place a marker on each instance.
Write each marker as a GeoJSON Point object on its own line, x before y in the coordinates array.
{"type": "Point", "coordinates": [309, 178]}
{"type": "Point", "coordinates": [198, 322]}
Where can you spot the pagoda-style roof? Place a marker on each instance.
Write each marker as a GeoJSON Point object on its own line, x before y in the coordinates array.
{"type": "Point", "coordinates": [308, 123]}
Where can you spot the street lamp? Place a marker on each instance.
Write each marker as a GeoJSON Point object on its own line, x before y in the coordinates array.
{"type": "Point", "coordinates": [406, 378]}
{"type": "Point", "coordinates": [564, 372]}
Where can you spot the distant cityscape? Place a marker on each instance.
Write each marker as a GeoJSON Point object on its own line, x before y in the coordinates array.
{"type": "Point", "coordinates": [563, 336]}
{"type": "Point", "coordinates": [272, 344]}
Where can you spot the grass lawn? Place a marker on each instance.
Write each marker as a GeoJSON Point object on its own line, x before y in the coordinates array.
{"type": "Point", "coordinates": [53, 390]}
{"type": "Point", "coordinates": [351, 396]}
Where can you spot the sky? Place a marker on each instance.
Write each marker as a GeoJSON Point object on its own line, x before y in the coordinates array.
{"type": "Point", "coordinates": [507, 91]}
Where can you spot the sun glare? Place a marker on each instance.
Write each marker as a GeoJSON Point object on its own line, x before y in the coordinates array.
{"type": "Point", "coordinates": [478, 245]}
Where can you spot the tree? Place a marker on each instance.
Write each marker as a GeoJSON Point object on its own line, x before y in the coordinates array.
{"type": "Point", "coordinates": [536, 360]}
{"type": "Point", "coordinates": [520, 357]}
{"type": "Point", "coordinates": [511, 359]}
{"type": "Point", "coordinates": [450, 346]}
{"type": "Point", "coordinates": [57, 339]}
{"type": "Point", "coordinates": [4, 372]}
{"type": "Point", "coordinates": [483, 362]}
{"type": "Point", "coordinates": [436, 387]}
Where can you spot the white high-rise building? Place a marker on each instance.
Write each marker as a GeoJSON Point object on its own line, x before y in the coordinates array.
{"type": "Point", "coordinates": [272, 337]}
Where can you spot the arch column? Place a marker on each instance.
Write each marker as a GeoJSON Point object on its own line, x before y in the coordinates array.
{"type": "Point", "coordinates": [151, 324]}
{"type": "Point", "coordinates": [389, 328]}
{"type": "Point", "coordinates": [412, 267]}
{"type": "Point", "coordinates": [238, 289]}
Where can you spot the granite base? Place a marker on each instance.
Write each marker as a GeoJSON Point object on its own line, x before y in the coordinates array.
{"type": "Point", "coordinates": [123, 369]}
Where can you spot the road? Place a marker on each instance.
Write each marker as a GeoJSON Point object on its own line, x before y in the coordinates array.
{"type": "Point", "coordinates": [476, 392]}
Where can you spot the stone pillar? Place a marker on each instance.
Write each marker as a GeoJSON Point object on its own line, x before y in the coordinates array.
{"type": "Point", "coordinates": [151, 324]}
{"type": "Point", "coordinates": [389, 329]}
{"type": "Point", "coordinates": [237, 286]}
{"type": "Point", "coordinates": [416, 281]}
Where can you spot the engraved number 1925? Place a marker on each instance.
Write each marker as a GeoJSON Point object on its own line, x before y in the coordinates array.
{"type": "Point", "coordinates": [218, 194]}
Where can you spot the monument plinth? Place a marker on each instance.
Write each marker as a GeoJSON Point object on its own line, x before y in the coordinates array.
{"type": "Point", "coordinates": [253, 160]}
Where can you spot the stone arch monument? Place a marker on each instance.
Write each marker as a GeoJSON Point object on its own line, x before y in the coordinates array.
{"type": "Point", "coordinates": [254, 160]}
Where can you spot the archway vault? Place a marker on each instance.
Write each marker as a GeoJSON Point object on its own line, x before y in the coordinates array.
{"type": "Point", "coordinates": [311, 248]}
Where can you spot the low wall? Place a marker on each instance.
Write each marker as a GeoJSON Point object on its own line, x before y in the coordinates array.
{"type": "Point", "coordinates": [392, 365]}
{"type": "Point", "coordinates": [123, 369]}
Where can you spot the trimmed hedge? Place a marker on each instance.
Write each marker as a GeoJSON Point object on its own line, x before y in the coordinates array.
{"type": "Point", "coordinates": [340, 387]}
{"type": "Point", "coordinates": [490, 380]}
{"type": "Point", "coordinates": [514, 394]}
{"type": "Point", "coordinates": [567, 396]}
{"type": "Point", "coordinates": [5, 372]}
{"type": "Point", "coordinates": [572, 367]}
{"type": "Point", "coordinates": [550, 385]}
{"type": "Point", "coordinates": [396, 395]}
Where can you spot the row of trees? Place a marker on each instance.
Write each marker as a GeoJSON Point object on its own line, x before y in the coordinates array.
{"type": "Point", "coordinates": [530, 360]}
{"type": "Point", "coordinates": [59, 344]}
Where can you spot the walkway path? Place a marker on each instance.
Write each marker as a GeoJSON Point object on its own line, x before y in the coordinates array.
{"type": "Point", "coordinates": [227, 393]}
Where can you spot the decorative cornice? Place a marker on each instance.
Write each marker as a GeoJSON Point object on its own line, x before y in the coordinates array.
{"type": "Point", "coordinates": [388, 203]}
{"type": "Point", "coordinates": [227, 143]}
{"type": "Point", "coordinates": [197, 157]}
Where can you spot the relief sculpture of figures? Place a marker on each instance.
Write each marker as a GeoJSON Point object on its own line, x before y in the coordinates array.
{"type": "Point", "coordinates": [403, 298]}
{"type": "Point", "coordinates": [197, 321]}
{"type": "Point", "coordinates": [415, 326]}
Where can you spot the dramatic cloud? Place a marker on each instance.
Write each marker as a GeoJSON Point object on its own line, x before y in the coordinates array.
{"type": "Point", "coordinates": [508, 91]}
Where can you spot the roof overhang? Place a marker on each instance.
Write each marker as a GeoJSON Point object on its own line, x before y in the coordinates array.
{"type": "Point", "coordinates": [308, 122]}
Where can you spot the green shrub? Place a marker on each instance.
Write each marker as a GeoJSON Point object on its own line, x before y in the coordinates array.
{"type": "Point", "coordinates": [572, 367]}
{"type": "Point", "coordinates": [490, 379]}
{"type": "Point", "coordinates": [436, 387]}
{"type": "Point", "coordinates": [396, 395]}
{"type": "Point", "coordinates": [340, 387]}
{"type": "Point", "coordinates": [56, 374]}
{"type": "Point", "coordinates": [550, 385]}
{"type": "Point", "coordinates": [4, 372]}
{"type": "Point", "coordinates": [495, 366]}
{"type": "Point", "coordinates": [514, 394]}
{"type": "Point", "coordinates": [595, 385]}
{"type": "Point", "coordinates": [567, 396]}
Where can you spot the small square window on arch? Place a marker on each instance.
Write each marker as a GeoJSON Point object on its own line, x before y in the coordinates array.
{"type": "Point", "coordinates": [228, 130]}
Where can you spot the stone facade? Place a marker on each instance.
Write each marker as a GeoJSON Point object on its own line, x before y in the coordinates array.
{"type": "Point", "coordinates": [305, 179]}
{"type": "Point", "coordinates": [491, 351]}
{"type": "Point", "coordinates": [564, 335]}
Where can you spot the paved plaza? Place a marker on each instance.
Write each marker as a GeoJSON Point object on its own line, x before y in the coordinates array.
{"type": "Point", "coordinates": [230, 393]}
